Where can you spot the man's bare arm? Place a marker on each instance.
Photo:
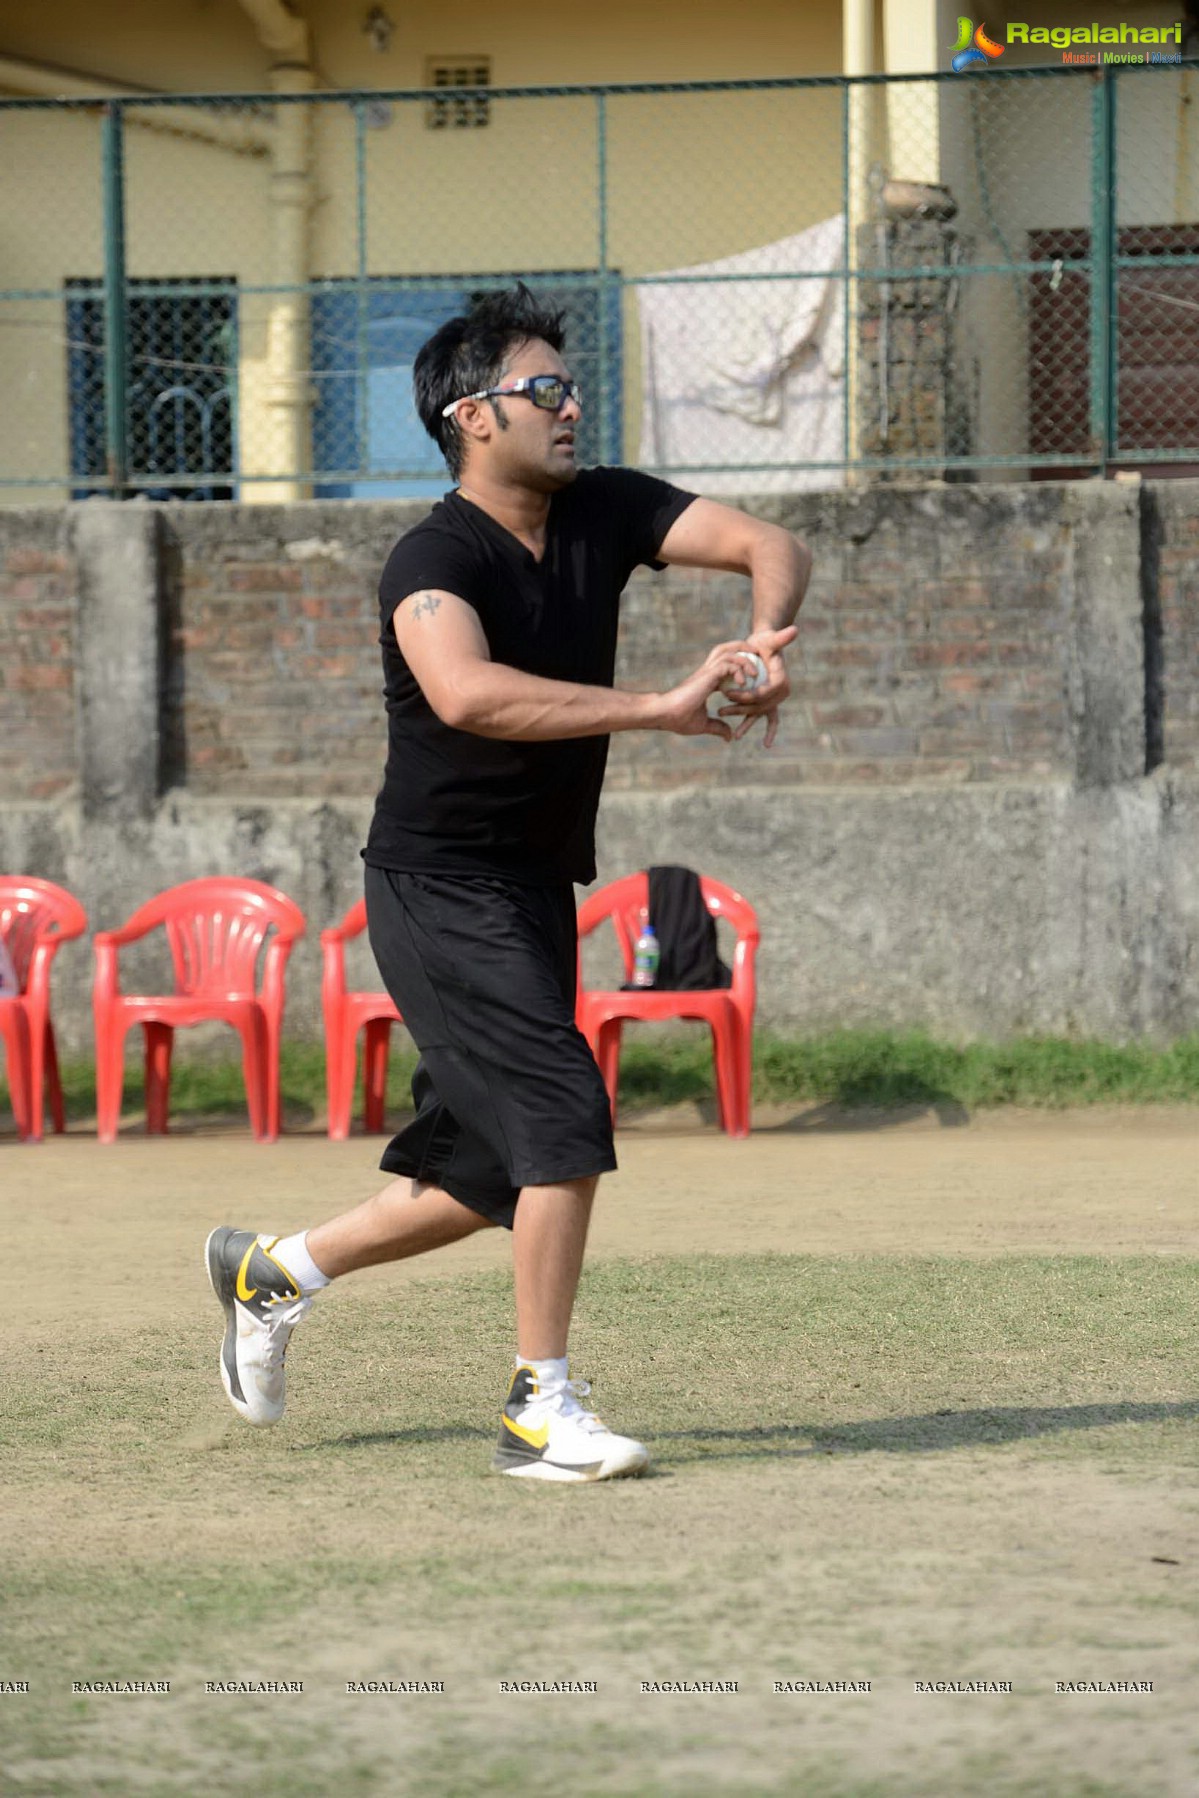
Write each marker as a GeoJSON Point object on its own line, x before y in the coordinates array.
{"type": "Point", "coordinates": [779, 564]}
{"type": "Point", "coordinates": [443, 643]}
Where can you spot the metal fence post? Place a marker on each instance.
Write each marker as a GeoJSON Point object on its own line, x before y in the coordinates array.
{"type": "Point", "coordinates": [1103, 332]}
{"type": "Point", "coordinates": [116, 337]}
{"type": "Point", "coordinates": [848, 289]}
{"type": "Point", "coordinates": [601, 156]}
{"type": "Point", "coordinates": [361, 444]}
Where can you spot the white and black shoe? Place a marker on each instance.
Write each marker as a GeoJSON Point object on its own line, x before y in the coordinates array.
{"type": "Point", "coordinates": [546, 1434]}
{"type": "Point", "coordinates": [262, 1304]}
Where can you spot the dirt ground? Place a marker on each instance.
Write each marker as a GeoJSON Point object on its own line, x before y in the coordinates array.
{"type": "Point", "coordinates": [1012, 1547]}
{"type": "Point", "coordinates": [1115, 1181]}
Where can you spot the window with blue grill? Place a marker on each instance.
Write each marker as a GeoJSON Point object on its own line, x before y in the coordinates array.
{"type": "Point", "coordinates": [368, 442]}
{"type": "Point", "coordinates": [182, 350]}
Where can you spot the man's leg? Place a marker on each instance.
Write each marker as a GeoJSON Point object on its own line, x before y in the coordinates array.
{"type": "Point", "coordinates": [406, 1218]}
{"type": "Point", "coordinates": [545, 1433]}
{"type": "Point", "coordinates": [266, 1284]}
{"type": "Point", "coordinates": [549, 1235]}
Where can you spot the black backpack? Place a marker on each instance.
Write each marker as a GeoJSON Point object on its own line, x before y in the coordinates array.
{"type": "Point", "coordinates": [686, 931]}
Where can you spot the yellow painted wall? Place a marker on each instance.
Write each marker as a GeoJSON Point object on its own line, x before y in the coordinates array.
{"type": "Point", "coordinates": [689, 178]}
{"type": "Point", "coordinates": [208, 46]}
{"type": "Point", "coordinates": [50, 227]}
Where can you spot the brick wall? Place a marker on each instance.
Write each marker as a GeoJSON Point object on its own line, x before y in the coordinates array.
{"type": "Point", "coordinates": [933, 646]}
{"type": "Point", "coordinates": [906, 399]}
{"type": "Point", "coordinates": [38, 611]}
{"type": "Point", "coordinates": [273, 674]}
{"type": "Point", "coordinates": [939, 643]}
{"type": "Point", "coordinates": [954, 831]}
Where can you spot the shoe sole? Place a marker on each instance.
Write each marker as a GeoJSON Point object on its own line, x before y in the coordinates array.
{"type": "Point", "coordinates": [550, 1470]}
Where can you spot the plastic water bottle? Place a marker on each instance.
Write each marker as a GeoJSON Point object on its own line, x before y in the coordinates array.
{"type": "Point", "coordinates": [646, 955]}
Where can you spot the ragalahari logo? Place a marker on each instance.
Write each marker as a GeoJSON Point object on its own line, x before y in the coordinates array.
{"type": "Point", "coordinates": [974, 49]}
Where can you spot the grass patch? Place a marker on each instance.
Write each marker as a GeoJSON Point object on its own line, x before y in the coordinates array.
{"type": "Point", "coordinates": [839, 1443]}
{"type": "Point", "coordinates": [853, 1457]}
{"type": "Point", "coordinates": [891, 1068]}
{"type": "Point", "coordinates": [894, 1355]}
{"type": "Point", "coordinates": [887, 1068]}
{"type": "Point", "coordinates": [856, 1069]}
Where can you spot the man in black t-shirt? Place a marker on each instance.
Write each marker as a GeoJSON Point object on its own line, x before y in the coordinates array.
{"type": "Point", "coordinates": [498, 629]}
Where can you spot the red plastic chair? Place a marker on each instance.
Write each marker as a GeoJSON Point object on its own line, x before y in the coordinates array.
{"type": "Point", "coordinates": [35, 917]}
{"type": "Point", "coordinates": [729, 1012]}
{"type": "Point", "coordinates": [215, 929]}
{"type": "Point", "coordinates": [345, 1015]}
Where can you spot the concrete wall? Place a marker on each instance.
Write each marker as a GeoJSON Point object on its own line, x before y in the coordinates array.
{"type": "Point", "coordinates": [981, 815]}
{"type": "Point", "coordinates": [213, 48]}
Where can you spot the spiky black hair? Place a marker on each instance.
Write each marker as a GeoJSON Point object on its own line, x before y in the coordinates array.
{"type": "Point", "coordinates": [471, 352]}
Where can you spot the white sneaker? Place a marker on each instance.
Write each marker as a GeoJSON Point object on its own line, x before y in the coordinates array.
{"type": "Point", "coordinates": [263, 1305]}
{"type": "Point", "coordinates": [545, 1434]}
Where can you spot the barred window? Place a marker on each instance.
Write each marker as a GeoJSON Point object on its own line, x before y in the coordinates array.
{"type": "Point", "coordinates": [1156, 325]}
{"type": "Point", "coordinates": [461, 110]}
{"type": "Point", "coordinates": [182, 375]}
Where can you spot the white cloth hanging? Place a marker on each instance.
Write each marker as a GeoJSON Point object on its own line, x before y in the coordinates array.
{"type": "Point", "coordinates": [741, 372]}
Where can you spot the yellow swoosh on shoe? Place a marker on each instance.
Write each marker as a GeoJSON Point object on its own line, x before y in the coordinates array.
{"type": "Point", "coordinates": [244, 1292]}
{"type": "Point", "coordinates": [535, 1438]}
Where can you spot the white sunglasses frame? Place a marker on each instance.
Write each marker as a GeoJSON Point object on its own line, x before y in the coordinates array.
{"type": "Point", "coordinates": [522, 389]}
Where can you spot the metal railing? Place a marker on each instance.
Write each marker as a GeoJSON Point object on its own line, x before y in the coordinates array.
{"type": "Point", "coordinates": [767, 285]}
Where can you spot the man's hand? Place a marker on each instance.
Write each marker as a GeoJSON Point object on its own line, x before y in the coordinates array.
{"type": "Point", "coordinates": [765, 702]}
{"type": "Point", "coordinates": [709, 535]}
{"type": "Point", "coordinates": [684, 710]}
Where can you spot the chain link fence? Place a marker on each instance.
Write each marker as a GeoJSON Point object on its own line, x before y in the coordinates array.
{"type": "Point", "coordinates": [768, 285]}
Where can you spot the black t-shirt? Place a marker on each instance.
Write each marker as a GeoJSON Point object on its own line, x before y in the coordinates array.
{"type": "Point", "coordinates": [452, 802]}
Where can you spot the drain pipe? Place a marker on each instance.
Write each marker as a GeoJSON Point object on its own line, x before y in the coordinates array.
{"type": "Point", "coordinates": [285, 37]}
{"type": "Point", "coordinates": [857, 50]}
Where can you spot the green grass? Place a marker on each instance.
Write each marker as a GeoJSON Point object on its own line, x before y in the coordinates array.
{"type": "Point", "coordinates": [885, 1069]}
{"type": "Point", "coordinates": [882, 1354]}
{"type": "Point", "coordinates": [852, 1463]}
{"type": "Point", "coordinates": [852, 1068]}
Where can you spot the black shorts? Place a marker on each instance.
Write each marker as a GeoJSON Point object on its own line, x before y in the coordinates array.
{"type": "Point", "coordinates": [507, 1093]}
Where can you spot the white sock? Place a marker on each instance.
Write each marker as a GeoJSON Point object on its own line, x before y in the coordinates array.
{"type": "Point", "coordinates": [291, 1252]}
{"type": "Point", "coordinates": [546, 1373]}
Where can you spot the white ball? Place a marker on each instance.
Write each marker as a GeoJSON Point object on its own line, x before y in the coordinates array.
{"type": "Point", "coordinates": [756, 676]}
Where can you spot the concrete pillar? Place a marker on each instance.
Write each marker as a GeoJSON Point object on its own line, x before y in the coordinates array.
{"type": "Point", "coordinates": [1106, 659]}
{"type": "Point", "coordinates": [120, 650]}
{"type": "Point", "coordinates": [289, 389]}
{"type": "Point", "coordinates": [911, 47]}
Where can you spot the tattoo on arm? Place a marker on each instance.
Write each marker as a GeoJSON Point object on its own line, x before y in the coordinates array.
{"type": "Point", "coordinates": [426, 602]}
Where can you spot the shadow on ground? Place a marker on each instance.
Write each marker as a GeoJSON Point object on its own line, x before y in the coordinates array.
{"type": "Point", "coordinates": [422, 1435]}
{"type": "Point", "coordinates": [833, 1117]}
{"type": "Point", "coordinates": [837, 1118]}
{"type": "Point", "coordinates": [934, 1432]}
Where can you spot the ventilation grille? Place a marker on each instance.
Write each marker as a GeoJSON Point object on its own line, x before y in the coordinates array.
{"type": "Point", "coordinates": [461, 109]}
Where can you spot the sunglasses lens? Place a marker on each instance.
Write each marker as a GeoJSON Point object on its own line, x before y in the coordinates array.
{"type": "Point", "coordinates": [548, 393]}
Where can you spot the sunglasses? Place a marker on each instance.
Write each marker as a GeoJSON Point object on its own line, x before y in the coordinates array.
{"type": "Point", "coordinates": [549, 392]}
